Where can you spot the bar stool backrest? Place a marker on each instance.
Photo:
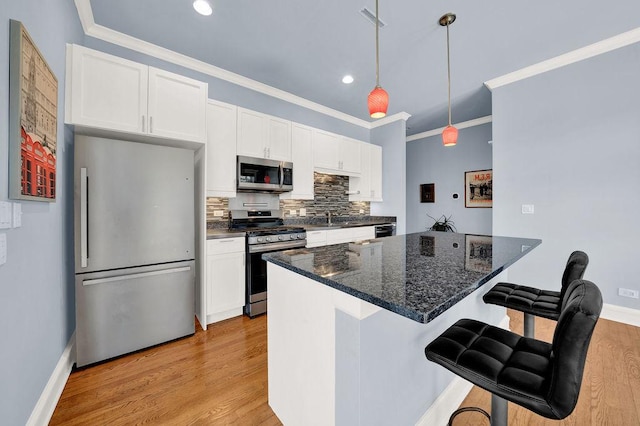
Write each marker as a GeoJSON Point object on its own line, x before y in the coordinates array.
{"type": "Point", "coordinates": [576, 265]}
{"type": "Point", "coordinates": [581, 307]}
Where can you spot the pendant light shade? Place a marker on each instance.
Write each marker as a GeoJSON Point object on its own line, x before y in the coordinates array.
{"type": "Point", "coordinates": [378, 100]}
{"type": "Point", "coordinates": [450, 133]}
{"type": "Point", "coordinates": [449, 136]}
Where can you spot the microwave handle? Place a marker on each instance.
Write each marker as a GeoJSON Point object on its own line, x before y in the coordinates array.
{"type": "Point", "coordinates": [281, 175]}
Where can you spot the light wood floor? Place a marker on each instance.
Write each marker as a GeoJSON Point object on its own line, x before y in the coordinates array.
{"type": "Point", "coordinates": [220, 377]}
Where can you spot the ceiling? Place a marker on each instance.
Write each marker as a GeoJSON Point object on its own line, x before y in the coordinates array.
{"type": "Point", "coordinates": [305, 47]}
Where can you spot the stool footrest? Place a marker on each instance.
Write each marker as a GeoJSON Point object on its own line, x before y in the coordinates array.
{"type": "Point", "coordinates": [466, 409]}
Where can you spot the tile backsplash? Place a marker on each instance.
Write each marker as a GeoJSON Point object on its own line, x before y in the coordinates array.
{"type": "Point", "coordinates": [330, 195]}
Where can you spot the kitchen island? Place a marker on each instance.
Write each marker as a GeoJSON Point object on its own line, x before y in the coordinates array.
{"type": "Point", "coordinates": [348, 323]}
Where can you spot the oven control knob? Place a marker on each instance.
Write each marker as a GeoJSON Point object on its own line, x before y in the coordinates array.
{"type": "Point", "coordinates": [259, 239]}
{"type": "Point", "coordinates": [301, 236]}
{"type": "Point", "coordinates": [281, 237]}
{"type": "Point", "coordinates": [267, 239]}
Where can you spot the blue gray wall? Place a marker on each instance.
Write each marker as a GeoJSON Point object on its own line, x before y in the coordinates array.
{"type": "Point", "coordinates": [428, 161]}
{"type": "Point", "coordinates": [392, 138]}
{"type": "Point", "coordinates": [568, 142]}
{"type": "Point", "coordinates": [37, 315]}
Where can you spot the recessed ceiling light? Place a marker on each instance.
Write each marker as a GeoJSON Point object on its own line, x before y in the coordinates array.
{"type": "Point", "coordinates": [202, 7]}
{"type": "Point", "coordinates": [347, 79]}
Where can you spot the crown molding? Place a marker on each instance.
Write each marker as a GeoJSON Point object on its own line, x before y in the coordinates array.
{"type": "Point", "coordinates": [115, 37]}
{"type": "Point", "coordinates": [465, 124]}
{"type": "Point", "coordinates": [390, 119]}
{"type": "Point", "coordinates": [595, 49]}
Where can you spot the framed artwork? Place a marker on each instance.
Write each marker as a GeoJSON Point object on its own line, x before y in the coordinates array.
{"type": "Point", "coordinates": [478, 188]}
{"type": "Point", "coordinates": [478, 253]}
{"type": "Point", "coordinates": [428, 193]}
{"type": "Point", "coordinates": [33, 120]}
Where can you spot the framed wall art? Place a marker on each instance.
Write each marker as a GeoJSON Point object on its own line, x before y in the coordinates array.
{"type": "Point", "coordinates": [428, 193]}
{"type": "Point", "coordinates": [33, 120]}
{"type": "Point", "coordinates": [478, 253]}
{"type": "Point", "coordinates": [478, 188]}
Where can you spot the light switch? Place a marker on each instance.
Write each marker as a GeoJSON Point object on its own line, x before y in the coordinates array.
{"type": "Point", "coordinates": [3, 249]}
{"type": "Point", "coordinates": [527, 209]}
{"type": "Point", "coordinates": [5, 215]}
{"type": "Point", "coordinates": [17, 215]}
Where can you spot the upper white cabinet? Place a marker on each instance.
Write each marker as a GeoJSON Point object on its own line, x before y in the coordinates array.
{"type": "Point", "coordinates": [368, 186]}
{"type": "Point", "coordinates": [111, 93]}
{"type": "Point", "coordinates": [263, 136]}
{"type": "Point", "coordinates": [335, 154]}
{"type": "Point", "coordinates": [302, 158]}
{"type": "Point", "coordinates": [221, 149]}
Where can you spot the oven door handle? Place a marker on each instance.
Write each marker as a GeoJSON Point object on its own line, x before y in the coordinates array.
{"type": "Point", "coordinates": [261, 248]}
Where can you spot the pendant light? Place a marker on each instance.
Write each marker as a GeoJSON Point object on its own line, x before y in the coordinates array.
{"type": "Point", "coordinates": [450, 133]}
{"type": "Point", "coordinates": [378, 98]}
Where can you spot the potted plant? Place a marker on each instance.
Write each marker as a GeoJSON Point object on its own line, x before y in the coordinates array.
{"type": "Point", "coordinates": [444, 224]}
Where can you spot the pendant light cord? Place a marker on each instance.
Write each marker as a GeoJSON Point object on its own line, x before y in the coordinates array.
{"type": "Point", "coordinates": [377, 50]}
{"type": "Point", "coordinates": [448, 73]}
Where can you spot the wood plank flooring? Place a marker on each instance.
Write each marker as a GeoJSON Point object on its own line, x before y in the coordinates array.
{"type": "Point", "coordinates": [220, 377]}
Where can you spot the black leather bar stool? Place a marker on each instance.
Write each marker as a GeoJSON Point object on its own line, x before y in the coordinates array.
{"type": "Point", "coordinates": [535, 302]}
{"type": "Point", "coordinates": [541, 377]}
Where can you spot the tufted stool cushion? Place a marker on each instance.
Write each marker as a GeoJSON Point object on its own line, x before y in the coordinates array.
{"type": "Point", "coordinates": [530, 300]}
{"type": "Point", "coordinates": [544, 378]}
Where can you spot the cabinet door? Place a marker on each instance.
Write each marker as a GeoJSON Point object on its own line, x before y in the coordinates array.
{"type": "Point", "coordinates": [302, 157]}
{"type": "Point", "coordinates": [279, 139]}
{"type": "Point", "coordinates": [360, 187]}
{"type": "Point", "coordinates": [252, 134]}
{"type": "Point", "coordinates": [225, 282]}
{"type": "Point", "coordinates": [325, 150]}
{"type": "Point", "coordinates": [350, 155]}
{"type": "Point", "coordinates": [177, 106]}
{"type": "Point", "coordinates": [375, 172]}
{"type": "Point", "coordinates": [105, 91]}
{"type": "Point", "coordinates": [221, 149]}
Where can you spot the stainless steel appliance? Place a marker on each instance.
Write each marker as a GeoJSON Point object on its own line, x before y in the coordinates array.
{"type": "Point", "coordinates": [263, 175]}
{"type": "Point", "coordinates": [385, 230]}
{"type": "Point", "coordinates": [134, 246]}
{"type": "Point", "coordinates": [265, 233]}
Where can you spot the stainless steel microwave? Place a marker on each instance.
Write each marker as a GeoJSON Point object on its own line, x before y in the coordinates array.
{"type": "Point", "coordinates": [264, 175]}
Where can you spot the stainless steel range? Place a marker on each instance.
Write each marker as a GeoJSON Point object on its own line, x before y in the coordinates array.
{"type": "Point", "coordinates": [265, 233]}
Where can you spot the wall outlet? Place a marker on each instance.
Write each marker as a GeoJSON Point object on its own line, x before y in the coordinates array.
{"type": "Point", "coordinates": [292, 212]}
{"type": "Point", "coordinates": [303, 212]}
{"type": "Point", "coordinates": [3, 249]}
{"type": "Point", "coordinates": [17, 215]}
{"type": "Point", "coordinates": [527, 209]}
{"type": "Point", "coordinates": [218, 213]}
{"type": "Point", "coordinates": [5, 215]}
{"type": "Point", "coordinates": [361, 211]}
{"type": "Point", "coordinates": [625, 292]}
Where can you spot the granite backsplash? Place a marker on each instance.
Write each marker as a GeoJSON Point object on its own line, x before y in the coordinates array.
{"type": "Point", "coordinates": [330, 195]}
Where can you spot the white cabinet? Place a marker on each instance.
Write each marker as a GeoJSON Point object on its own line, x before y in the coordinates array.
{"type": "Point", "coordinates": [335, 154]}
{"type": "Point", "coordinates": [316, 238]}
{"type": "Point", "coordinates": [111, 93]}
{"type": "Point", "coordinates": [221, 149]}
{"type": "Point", "coordinates": [263, 136]}
{"type": "Point", "coordinates": [368, 186]}
{"type": "Point", "coordinates": [302, 157]}
{"type": "Point", "coordinates": [340, 235]}
{"type": "Point", "coordinates": [225, 292]}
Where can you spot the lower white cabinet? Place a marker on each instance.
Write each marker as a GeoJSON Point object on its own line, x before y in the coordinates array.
{"type": "Point", "coordinates": [340, 235]}
{"type": "Point", "coordinates": [225, 278]}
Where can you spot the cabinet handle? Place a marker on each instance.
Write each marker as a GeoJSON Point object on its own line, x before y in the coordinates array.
{"type": "Point", "coordinates": [268, 152]}
{"type": "Point", "coordinates": [143, 120]}
{"type": "Point", "coordinates": [150, 124]}
{"type": "Point", "coordinates": [265, 151]}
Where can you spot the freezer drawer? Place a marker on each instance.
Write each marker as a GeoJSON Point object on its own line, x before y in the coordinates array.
{"type": "Point", "coordinates": [118, 312]}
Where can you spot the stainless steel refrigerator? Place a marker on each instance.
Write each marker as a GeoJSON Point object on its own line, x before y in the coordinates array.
{"type": "Point", "coordinates": [134, 246]}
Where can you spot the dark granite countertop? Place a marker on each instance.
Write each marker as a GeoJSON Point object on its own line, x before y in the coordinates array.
{"type": "Point", "coordinates": [418, 276]}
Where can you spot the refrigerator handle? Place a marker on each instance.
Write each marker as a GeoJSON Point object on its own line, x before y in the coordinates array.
{"type": "Point", "coordinates": [84, 217]}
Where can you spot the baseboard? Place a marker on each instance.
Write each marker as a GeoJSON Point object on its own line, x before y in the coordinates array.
{"type": "Point", "coordinates": [221, 316]}
{"type": "Point", "coordinates": [48, 400]}
{"type": "Point", "coordinates": [450, 400]}
{"type": "Point", "coordinates": [621, 314]}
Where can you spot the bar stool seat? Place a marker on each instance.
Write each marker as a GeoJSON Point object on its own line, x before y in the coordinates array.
{"type": "Point", "coordinates": [533, 301]}
{"type": "Point", "coordinates": [542, 377]}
